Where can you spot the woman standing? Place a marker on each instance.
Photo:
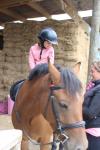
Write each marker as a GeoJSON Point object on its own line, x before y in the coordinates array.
{"type": "Point", "coordinates": [91, 108]}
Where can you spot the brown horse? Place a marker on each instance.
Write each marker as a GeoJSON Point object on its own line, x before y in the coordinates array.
{"type": "Point", "coordinates": [49, 103]}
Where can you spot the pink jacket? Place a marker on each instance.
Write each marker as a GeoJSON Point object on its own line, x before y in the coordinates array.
{"type": "Point", "coordinates": [34, 55]}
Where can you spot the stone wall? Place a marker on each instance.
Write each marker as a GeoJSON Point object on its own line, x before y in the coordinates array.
{"type": "Point", "coordinates": [73, 46]}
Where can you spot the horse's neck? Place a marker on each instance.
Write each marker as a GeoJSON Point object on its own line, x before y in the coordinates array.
{"type": "Point", "coordinates": [39, 91]}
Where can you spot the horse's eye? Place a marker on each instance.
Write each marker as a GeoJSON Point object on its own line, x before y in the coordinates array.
{"type": "Point", "coordinates": [64, 105]}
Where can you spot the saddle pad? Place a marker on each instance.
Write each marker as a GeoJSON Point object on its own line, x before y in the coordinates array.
{"type": "Point", "coordinates": [15, 88]}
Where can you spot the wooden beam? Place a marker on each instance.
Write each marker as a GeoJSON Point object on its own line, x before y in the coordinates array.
{"type": "Point", "coordinates": [1, 23]}
{"type": "Point", "coordinates": [68, 7]}
{"type": "Point", "coordinates": [39, 9]}
{"type": "Point", "coordinates": [12, 3]}
{"type": "Point", "coordinates": [12, 14]}
{"type": "Point", "coordinates": [71, 10]}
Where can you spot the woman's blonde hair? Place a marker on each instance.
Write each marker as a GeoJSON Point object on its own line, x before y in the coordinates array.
{"type": "Point", "coordinates": [96, 64]}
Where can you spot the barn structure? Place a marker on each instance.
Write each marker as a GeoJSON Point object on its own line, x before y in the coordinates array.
{"type": "Point", "coordinates": [17, 38]}
{"type": "Point", "coordinates": [73, 36]}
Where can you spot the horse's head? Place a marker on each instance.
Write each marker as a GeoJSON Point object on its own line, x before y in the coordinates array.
{"type": "Point", "coordinates": [67, 99]}
{"type": "Point", "coordinates": [38, 106]}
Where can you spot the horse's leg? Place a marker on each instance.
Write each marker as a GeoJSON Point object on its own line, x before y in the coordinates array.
{"type": "Point", "coordinates": [24, 145]}
{"type": "Point", "coordinates": [44, 140]}
{"type": "Point", "coordinates": [41, 131]}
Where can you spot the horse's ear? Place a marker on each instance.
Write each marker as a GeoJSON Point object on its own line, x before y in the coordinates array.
{"type": "Point", "coordinates": [54, 73]}
{"type": "Point", "coordinates": [76, 67]}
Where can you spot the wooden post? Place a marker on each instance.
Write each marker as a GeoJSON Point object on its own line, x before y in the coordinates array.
{"type": "Point", "coordinates": [95, 35]}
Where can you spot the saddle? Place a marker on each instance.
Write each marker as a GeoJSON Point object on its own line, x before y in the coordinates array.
{"type": "Point", "coordinates": [15, 88]}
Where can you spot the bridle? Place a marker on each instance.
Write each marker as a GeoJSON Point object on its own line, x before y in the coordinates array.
{"type": "Point", "coordinates": [59, 133]}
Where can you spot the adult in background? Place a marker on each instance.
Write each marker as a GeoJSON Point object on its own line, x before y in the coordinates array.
{"type": "Point", "coordinates": [91, 108]}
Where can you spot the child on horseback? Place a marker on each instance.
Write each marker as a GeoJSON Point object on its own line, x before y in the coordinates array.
{"type": "Point", "coordinates": [40, 52]}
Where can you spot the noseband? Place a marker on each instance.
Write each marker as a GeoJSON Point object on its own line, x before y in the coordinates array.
{"type": "Point", "coordinates": [59, 134]}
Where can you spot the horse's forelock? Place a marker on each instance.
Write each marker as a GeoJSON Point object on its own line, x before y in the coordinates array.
{"type": "Point", "coordinates": [71, 82]}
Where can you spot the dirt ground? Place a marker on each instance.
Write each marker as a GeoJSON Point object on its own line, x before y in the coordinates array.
{"type": "Point", "coordinates": [5, 122]}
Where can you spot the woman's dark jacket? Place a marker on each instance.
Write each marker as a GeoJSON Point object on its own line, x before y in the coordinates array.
{"type": "Point", "coordinates": [91, 106]}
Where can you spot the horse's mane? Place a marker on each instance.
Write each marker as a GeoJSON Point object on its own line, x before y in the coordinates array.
{"type": "Point", "coordinates": [69, 79]}
{"type": "Point", "coordinates": [39, 70]}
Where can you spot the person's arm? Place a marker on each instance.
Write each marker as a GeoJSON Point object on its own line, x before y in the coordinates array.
{"type": "Point", "coordinates": [31, 59]}
{"type": "Point", "coordinates": [94, 109]}
{"type": "Point", "coordinates": [51, 56]}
